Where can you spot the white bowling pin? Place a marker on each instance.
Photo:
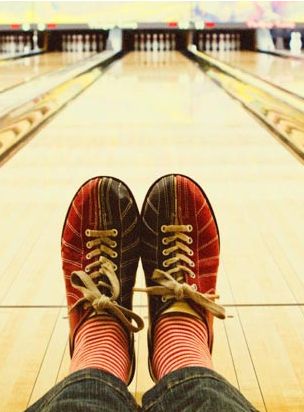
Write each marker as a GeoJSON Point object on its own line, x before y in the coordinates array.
{"type": "Point", "coordinates": [221, 44]}
{"type": "Point", "coordinates": [207, 42]}
{"type": "Point", "coordinates": [214, 42]}
{"type": "Point", "coordinates": [167, 42]}
{"type": "Point", "coordinates": [238, 42]}
{"type": "Point", "coordinates": [28, 44]}
{"type": "Point", "coordinates": [295, 43]}
{"type": "Point", "coordinates": [200, 42]}
{"type": "Point", "coordinates": [142, 42]}
{"type": "Point", "coordinates": [161, 42]}
{"type": "Point", "coordinates": [227, 42]}
{"type": "Point", "coordinates": [94, 43]}
{"type": "Point", "coordinates": [173, 41]}
{"type": "Point", "coordinates": [87, 46]}
{"type": "Point", "coordinates": [148, 42]}
{"type": "Point", "coordinates": [232, 42]}
{"type": "Point", "coordinates": [155, 43]}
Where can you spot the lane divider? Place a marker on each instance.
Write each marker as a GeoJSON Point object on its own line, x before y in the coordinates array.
{"type": "Point", "coordinates": [282, 112]}
{"type": "Point", "coordinates": [22, 121]}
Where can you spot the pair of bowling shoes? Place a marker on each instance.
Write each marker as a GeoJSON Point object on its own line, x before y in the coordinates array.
{"type": "Point", "coordinates": [176, 236]}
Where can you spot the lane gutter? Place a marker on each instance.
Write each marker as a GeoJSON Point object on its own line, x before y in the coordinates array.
{"type": "Point", "coordinates": [278, 109]}
{"type": "Point", "coordinates": [19, 122]}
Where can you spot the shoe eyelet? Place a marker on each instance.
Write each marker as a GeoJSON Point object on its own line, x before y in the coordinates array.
{"type": "Point", "coordinates": [164, 299]}
{"type": "Point", "coordinates": [164, 241]}
{"type": "Point", "coordinates": [115, 267]}
{"type": "Point", "coordinates": [190, 241]}
{"type": "Point", "coordinates": [88, 256]}
{"type": "Point", "coordinates": [165, 264]}
{"type": "Point", "coordinates": [87, 232]}
{"type": "Point", "coordinates": [194, 286]}
{"type": "Point", "coordinates": [192, 264]}
{"type": "Point", "coordinates": [88, 245]}
{"type": "Point", "coordinates": [165, 252]}
{"type": "Point", "coordinates": [86, 270]}
{"type": "Point", "coordinates": [114, 254]}
{"type": "Point", "coordinates": [192, 275]}
{"type": "Point", "coordinates": [191, 253]}
{"type": "Point", "coordinates": [114, 232]}
{"type": "Point", "coordinates": [113, 244]}
{"type": "Point", "coordinates": [189, 228]}
{"type": "Point", "coordinates": [163, 228]}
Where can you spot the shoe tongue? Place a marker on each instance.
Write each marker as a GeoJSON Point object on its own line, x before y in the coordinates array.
{"type": "Point", "coordinates": [182, 307]}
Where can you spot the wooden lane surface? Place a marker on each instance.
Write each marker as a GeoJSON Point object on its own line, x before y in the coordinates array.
{"type": "Point", "coordinates": [286, 73]}
{"type": "Point", "coordinates": [142, 119]}
{"type": "Point", "coordinates": [13, 72]}
{"type": "Point", "coordinates": [32, 362]}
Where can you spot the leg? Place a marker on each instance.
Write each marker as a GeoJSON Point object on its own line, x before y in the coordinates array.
{"type": "Point", "coordinates": [195, 389]}
{"type": "Point", "coordinates": [90, 390]}
{"type": "Point", "coordinates": [180, 254]}
{"type": "Point", "coordinates": [100, 254]}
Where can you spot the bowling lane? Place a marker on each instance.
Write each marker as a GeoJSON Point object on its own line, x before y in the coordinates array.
{"type": "Point", "coordinates": [14, 72]}
{"type": "Point", "coordinates": [148, 115]}
{"type": "Point", "coordinates": [286, 73]}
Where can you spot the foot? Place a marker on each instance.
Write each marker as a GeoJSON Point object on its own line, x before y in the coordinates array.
{"type": "Point", "coordinates": [180, 253]}
{"type": "Point", "coordinates": [100, 253]}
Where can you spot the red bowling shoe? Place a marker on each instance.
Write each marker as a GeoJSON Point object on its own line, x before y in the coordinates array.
{"type": "Point", "coordinates": [180, 248]}
{"type": "Point", "coordinates": [100, 253]}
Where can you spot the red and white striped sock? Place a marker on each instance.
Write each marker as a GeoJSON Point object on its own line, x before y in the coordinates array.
{"type": "Point", "coordinates": [179, 341]}
{"type": "Point", "coordinates": [102, 343]}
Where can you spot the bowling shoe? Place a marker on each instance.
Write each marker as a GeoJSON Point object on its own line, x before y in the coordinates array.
{"type": "Point", "coordinates": [100, 253]}
{"type": "Point", "coordinates": [180, 248]}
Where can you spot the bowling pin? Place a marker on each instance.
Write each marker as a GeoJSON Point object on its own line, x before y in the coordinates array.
{"type": "Point", "coordinates": [35, 40]}
{"type": "Point", "coordinates": [238, 42]}
{"type": "Point", "coordinates": [94, 43]}
{"type": "Point", "coordinates": [63, 43]}
{"type": "Point", "coordinates": [21, 44]}
{"type": "Point", "coordinates": [207, 42]}
{"type": "Point", "coordinates": [28, 44]}
{"type": "Point", "coordinates": [167, 42]}
{"type": "Point", "coordinates": [161, 42]}
{"type": "Point", "coordinates": [214, 42]}
{"type": "Point", "coordinates": [142, 42]}
{"type": "Point", "coordinates": [155, 43]}
{"type": "Point", "coordinates": [148, 42]}
{"type": "Point", "coordinates": [87, 46]}
{"type": "Point", "coordinates": [295, 43]}
{"type": "Point", "coordinates": [221, 44]}
{"type": "Point", "coordinates": [173, 41]}
{"type": "Point", "coordinates": [227, 42]}
{"type": "Point", "coordinates": [200, 42]}
{"type": "Point", "coordinates": [232, 42]}
{"type": "Point", "coordinates": [79, 43]}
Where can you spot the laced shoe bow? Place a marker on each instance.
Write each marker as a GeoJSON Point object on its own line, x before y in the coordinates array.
{"type": "Point", "coordinates": [101, 296]}
{"type": "Point", "coordinates": [171, 284]}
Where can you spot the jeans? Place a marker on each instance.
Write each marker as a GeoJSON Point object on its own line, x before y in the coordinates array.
{"type": "Point", "coordinates": [188, 389]}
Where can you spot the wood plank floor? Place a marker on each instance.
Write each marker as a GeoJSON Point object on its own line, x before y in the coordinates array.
{"type": "Point", "coordinates": [14, 72]}
{"type": "Point", "coordinates": [286, 73]}
{"type": "Point", "coordinates": [147, 117]}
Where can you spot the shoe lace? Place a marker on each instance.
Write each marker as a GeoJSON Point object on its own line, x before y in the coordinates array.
{"type": "Point", "coordinates": [102, 267]}
{"type": "Point", "coordinates": [171, 284]}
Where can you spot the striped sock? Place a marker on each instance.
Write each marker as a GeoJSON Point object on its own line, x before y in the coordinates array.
{"type": "Point", "coordinates": [102, 343]}
{"type": "Point", "coordinates": [179, 341]}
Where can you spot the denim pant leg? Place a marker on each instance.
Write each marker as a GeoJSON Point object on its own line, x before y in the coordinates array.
{"type": "Point", "coordinates": [195, 389]}
{"type": "Point", "coordinates": [87, 390]}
